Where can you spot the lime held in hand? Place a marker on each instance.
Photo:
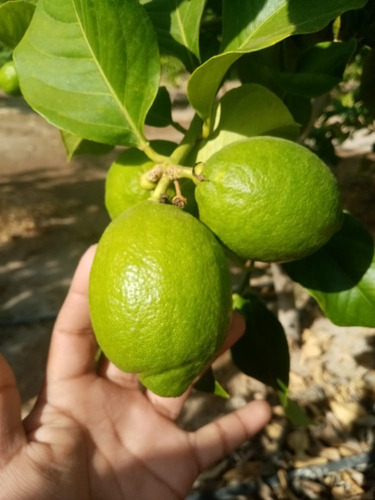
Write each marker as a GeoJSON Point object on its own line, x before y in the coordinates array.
{"type": "Point", "coordinates": [160, 296]}
{"type": "Point", "coordinates": [269, 199]}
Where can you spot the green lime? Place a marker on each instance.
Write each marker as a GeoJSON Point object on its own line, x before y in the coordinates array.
{"type": "Point", "coordinates": [160, 296]}
{"type": "Point", "coordinates": [123, 187]}
{"type": "Point", "coordinates": [9, 79]}
{"type": "Point", "coordinates": [269, 199]}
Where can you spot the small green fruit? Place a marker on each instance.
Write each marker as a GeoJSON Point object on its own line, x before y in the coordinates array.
{"type": "Point", "coordinates": [124, 189]}
{"type": "Point", "coordinates": [9, 79]}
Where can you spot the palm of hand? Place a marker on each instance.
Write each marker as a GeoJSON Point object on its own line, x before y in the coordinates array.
{"type": "Point", "coordinates": [96, 435]}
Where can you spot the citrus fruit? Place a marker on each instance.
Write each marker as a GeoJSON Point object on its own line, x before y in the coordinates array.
{"type": "Point", "coordinates": [9, 79]}
{"type": "Point", "coordinates": [269, 199]}
{"type": "Point", "coordinates": [160, 296]}
{"type": "Point", "coordinates": [123, 187]}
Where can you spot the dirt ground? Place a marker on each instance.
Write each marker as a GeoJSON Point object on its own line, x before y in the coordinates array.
{"type": "Point", "coordinates": [51, 211]}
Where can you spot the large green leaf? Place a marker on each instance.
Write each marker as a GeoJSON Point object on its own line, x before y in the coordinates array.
{"type": "Point", "coordinates": [250, 26]}
{"type": "Point", "coordinates": [76, 146]}
{"type": "Point", "coordinates": [15, 18]}
{"type": "Point", "coordinates": [91, 67]}
{"type": "Point", "coordinates": [5, 55]}
{"type": "Point", "coordinates": [254, 25]}
{"type": "Point", "coordinates": [248, 111]}
{"type": "Point", "coordinates": [262, 352]}
{"type": "Point", "coordinates": [160, 113]}
{"type": "Point", "coordinates": [341, 276]}
{"type": "Point", "coordinates": [177, 24]}
{"type": "Point", "coordinates": [319, 69]}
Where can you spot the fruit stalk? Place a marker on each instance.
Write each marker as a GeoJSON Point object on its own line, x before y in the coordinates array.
{"type": "Point", "coordinates": [161, 188]}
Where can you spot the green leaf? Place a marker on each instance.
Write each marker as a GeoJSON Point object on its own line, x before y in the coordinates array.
{"type": "Point", "coordinates": [160, 114]}
{"type": "Point", "coordinates": [91, 68]}
{"type": "Point", "coordinates": [5, 55]}
{"type": "Point", "coordinates": [208, 384]}
{"type": "Point", "coordinates": [300, 108]}
{"type": "Point", "coordinates": [205, 81]}
{"type": "Point", "coordinates": [259, 67]}
{"type": "Point", "coordinates": [254, 25]}
{"type": "Point", "coordinates": [177, 24]}
{"type": "Point", "coordinates": [293, 411]}
{"type": "Point", "coordinates": [15, 17]}
{"type": "Point", "coordinates": [262, 352]}
{"type": "Point", "coordinates": [76, 146]}
{"type": "Point", "coordinates": [251, 26]}
{"type": "Point", "coordinates": [341, 276]}
{"type": "Point", "coordinates": [319, 70]}
{"type": "Point", "coordinates": [248, 111]}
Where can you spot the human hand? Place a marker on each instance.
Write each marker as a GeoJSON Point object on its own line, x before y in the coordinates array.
{"type": "Point", "coordinates": [95, 435]}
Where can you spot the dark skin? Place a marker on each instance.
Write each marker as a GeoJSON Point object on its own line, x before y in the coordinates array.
{"type": "Point", "coordinates": [94, 434]}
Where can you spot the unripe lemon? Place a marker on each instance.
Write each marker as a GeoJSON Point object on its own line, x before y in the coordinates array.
{"type": "Point", "coordinates": [160, 296]}
{"type": "Point", "coordinates": [124, 189]}
{"type": "Point", "coordinates": [123, 183]}
{"type": "Point", "coordinates": [269, 199]}
{"type": "Point", "coordinates": [9, 79]}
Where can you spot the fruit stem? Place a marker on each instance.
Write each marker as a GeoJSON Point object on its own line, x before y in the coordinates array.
{"type": "Point", "coordinates": [177, 172]}
{"type": "Point", "coordinates": [179, 200]}
{"type": "Point", "coordinates": [161, 188]}
{"type": "Point", "coordinates": [188, 142]}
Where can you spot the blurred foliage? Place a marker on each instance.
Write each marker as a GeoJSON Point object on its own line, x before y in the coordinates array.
{"type": "Point", "coordinates": [173, 71]}
{"type": "Point", "coordinates": [5, 55]}
{"type": "Point", "coordinates": [344, 112]}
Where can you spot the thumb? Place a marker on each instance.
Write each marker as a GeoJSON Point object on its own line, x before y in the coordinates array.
{"type": "Point", "coordinates": [12, 435]}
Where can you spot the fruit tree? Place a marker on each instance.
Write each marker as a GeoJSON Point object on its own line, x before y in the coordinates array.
{"type": "Point", "coordinates": [240, 184]}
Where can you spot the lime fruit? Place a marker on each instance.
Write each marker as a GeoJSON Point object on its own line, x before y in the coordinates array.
{"type": "Point", "coordinates": [9, 79]}
{"type": "Point", "coordinates": [269, 199]}
{"type": "Point", "coordinates": [123, 187]}
{"type": "Point", "coordinates": [160, 296]}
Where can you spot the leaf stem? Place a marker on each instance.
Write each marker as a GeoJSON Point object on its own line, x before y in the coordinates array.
{"type": "Point", "coordinates": [179, 127]}
{"type": "Point", "coordinates": [153, 155]}
{"type": "Point", "coordinates": [188, 142]}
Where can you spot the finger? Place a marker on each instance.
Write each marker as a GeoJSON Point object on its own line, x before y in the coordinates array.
{"type": "Point", "coordinates": [171, 407]}
{"type": "Point", "coordinates": [109, 371]}
{"type": "Point", "coordinates": [219, 438]}
{"type": "Point", "coordinates": [73, 345]}
{"type": "Point", "coordinates": [12, 435]}
{"type": "Point", "coordinates": [237, 329]}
